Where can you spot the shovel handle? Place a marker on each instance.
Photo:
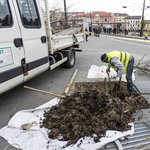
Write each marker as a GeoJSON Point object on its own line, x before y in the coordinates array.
{"type": "Point", "coordinates": [119, 83]}
{"type": "Point", "coordinates": [110, 84]}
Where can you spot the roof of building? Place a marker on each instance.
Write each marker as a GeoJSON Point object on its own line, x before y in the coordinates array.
{"type": "Point", "coordinates": [133, 17]}
{"type": "Point", "coordinates": [72, 12]}
{"type": "Point", "coordinates": [101, 13]}
{"type": "Point", "coordinates": [120, 14]}
{"type": "Point", "coordinates": [147, 21]}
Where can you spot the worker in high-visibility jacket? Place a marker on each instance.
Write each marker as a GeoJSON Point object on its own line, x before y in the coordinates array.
{"type": "Point", "coordinates": [121, 62]}
{"type": "Point", "coordinates": [146, 36]}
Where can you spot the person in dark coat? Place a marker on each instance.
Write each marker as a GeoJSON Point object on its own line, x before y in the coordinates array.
{"type": "Point", "coordinates": [94, 30]}
{"type": "Point", "coordinates": [98, 32]}
{"type": "Point", "coordinates": [125, 31]}
{"type": "Point", "coordinates": [86, 34]}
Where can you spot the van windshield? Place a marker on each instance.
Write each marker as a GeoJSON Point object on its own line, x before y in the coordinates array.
{"type": "Point", "coordinates": [5, 16]}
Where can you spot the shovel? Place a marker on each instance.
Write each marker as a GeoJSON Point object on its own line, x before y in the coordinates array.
{"type": "Point", "coordinates": [117, 87]}
{"type": "Point", "coordinates": [111, 89]}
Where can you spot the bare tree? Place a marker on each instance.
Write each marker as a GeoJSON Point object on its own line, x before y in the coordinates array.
{"type": "Point", "coordinates": [143, 68]}
{"type": "Point", "coordinates": [57, 14]}
{"type": "Point", "coordinates": [55, 10]}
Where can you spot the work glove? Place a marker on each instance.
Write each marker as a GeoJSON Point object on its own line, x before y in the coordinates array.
{"type": "Point", "coordinates": [117, 79]}
{"type": "Point", "coordinates": [107, 70]}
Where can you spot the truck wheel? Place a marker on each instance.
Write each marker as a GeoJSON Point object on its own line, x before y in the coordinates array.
{"type": "Point", "coordinates": [63, 65]}
{"type": "Point", "coordinates": [70, 59]}
{"type": "Point", "coordinates": [51, 62]}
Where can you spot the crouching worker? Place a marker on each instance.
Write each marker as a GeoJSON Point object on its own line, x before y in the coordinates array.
{"type": "Point", "coordinates": [121, 62]}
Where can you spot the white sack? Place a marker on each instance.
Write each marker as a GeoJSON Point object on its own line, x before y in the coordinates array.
{"type": "Point", "coordinates": [100, 72]}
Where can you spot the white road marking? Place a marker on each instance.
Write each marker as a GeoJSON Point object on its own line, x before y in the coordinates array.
{"type": "Point", "coordinates": [128, 42]}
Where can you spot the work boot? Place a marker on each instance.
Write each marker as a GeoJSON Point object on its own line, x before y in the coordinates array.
{"type": "Point", "coordinates": [131, 96]}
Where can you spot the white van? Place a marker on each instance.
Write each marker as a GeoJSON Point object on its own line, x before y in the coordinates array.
{"type": "Point", "coordinates": [27, 47]}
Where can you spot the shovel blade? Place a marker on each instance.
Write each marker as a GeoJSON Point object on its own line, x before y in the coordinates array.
{"type": "Point", "coordinates": [111, 89]}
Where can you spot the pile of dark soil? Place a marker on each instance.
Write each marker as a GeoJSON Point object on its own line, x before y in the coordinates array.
{"type": "Point", "coordinates": [90, 110]}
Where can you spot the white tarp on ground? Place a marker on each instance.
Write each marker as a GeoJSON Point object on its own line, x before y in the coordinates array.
{"type": "Point", "coordinates": [36, 138]}
{"type": "Point", "coordinates": [100, 72]}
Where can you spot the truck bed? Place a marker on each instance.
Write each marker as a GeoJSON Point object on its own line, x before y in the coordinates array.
{"type": "Point", "coordinates": [64, 39]}
{"type": "Point", "coordinates": [69, 31]}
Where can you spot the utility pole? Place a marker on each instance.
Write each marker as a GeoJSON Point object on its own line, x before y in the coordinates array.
{"type": "Point", "coordinates": [141, 32]}
{"type": "Point", "coordinates": [90, 14]}
{"type": "Point", "coordinates": [66, 21]}
{"type": "Point", "coordinates": [106, 23]}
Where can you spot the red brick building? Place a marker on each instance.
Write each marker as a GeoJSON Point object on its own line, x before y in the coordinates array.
{"type": "Point", "coordinates": [101, 16]}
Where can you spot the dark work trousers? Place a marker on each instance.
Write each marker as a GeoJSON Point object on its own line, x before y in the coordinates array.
{"type": "Point", "coordinates": [86, 37]}
{"type": "Point", "coordinates": [129, 76]}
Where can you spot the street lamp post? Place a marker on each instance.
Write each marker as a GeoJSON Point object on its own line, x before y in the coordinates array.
{"type": "Point", "coordinates": [141, 32]}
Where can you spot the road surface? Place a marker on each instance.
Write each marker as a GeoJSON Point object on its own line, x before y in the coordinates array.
{"type": "Point", "coordinates": [56, 81]}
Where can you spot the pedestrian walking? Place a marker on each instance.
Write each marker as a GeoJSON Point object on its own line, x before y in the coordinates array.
{"type": "Point", "coordinates": [121, 62]}
{"type": "Point", "coordinates": [125, 31]}
{"type": "Point", "coordinates": [94, 30]}
{"type": "Point", "coordinates": [98, 32]}
{"type": "Point", "coordinates": [146, 34]}
{"type": "Point", "coordinates": [86, 33]}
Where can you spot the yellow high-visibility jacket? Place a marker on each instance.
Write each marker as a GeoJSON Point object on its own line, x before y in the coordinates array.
{"type": "Point", "coordinates": [124, 58]}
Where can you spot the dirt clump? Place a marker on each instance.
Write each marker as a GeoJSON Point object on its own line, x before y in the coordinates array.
{"type": "Point", "coordinates": [90, 110]}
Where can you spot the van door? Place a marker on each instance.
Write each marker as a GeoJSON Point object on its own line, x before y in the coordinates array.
{"type": "Point", "coordinates": [34, 36]}
{"type": "Point", "coordinates": [11, 48]}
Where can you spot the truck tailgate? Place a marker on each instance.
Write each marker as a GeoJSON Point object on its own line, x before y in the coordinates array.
{"type": "Point", "coordinates": [62, 41]}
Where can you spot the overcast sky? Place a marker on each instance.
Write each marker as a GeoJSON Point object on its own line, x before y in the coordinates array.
{"type": "Point", "coordinates": [134, 7]}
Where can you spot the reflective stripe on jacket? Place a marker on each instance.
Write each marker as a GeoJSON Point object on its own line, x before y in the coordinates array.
{"type": "Point", "coordinates": [124, 58]}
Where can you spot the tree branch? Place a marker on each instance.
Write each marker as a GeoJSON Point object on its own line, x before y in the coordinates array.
{"type": "Point", "coordinates": [143, 68]}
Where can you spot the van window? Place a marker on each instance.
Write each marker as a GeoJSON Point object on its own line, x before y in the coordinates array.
{"type": "Point", "coordinates": [5, 15]}
{"type": "Point", "coordinates": [29, 13]}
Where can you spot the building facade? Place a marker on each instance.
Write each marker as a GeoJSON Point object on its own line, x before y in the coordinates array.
{"type": "Point", "coordinates": [133, 22]}
{"type": "Point", "coordinates": [100, 16]}
{"type": "Point", "coordinates": [120, 16]}
{"type": "Point", "coordinates": [147, 25]}
{"type": "Point", "coordinates": [106, 19]}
